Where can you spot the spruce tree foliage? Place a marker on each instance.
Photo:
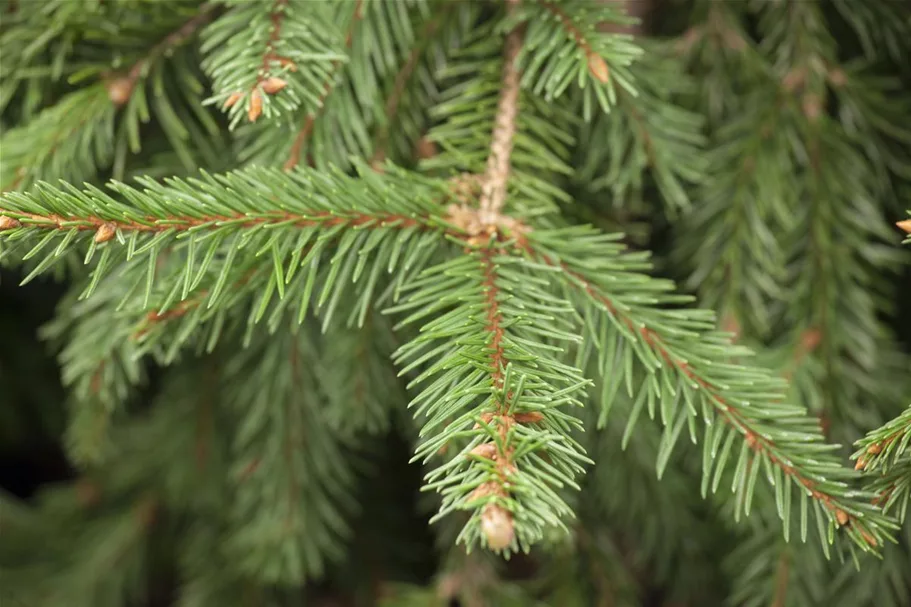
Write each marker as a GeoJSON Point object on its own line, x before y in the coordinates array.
{"type": "Point", "coordinates": [290, 228]}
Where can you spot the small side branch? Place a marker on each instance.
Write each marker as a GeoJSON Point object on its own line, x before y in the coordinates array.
{"type": "Point", "coordinates": [106, 229]}
{"type": "Point", "coordinates": [596, 64]}
{"type": "Point", "coordinates": [882, 448]}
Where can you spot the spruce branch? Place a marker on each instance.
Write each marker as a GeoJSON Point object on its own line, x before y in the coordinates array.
{"type": "Point", "coordinates": [493, 393]}
{"type": "Point", "coordinates": [112, 546]}
{"type": "Point", "coordinates": [728, 390]}
{"type": "Point", "coordinates": [290, 477]}
{"type": "Point", "coordinates": [502, 309]}
{"type": "Point", "coordinates": [649, 135]}
{"type": "Point", "coordinates": [569, 44]}
{"type": "Point", "coordinates": [67, 141]}
{"type": "Point", "coordinates": [541, 136]}
{"type": "Point", "coordinates": [99, 366]}
{"type": "Point", "coordinates": [294, 219]}
{"type": "Point", "coordinates": [95, 126]}
{"type": "Point", "coordinates": [597, 66]}
{"type": "Point", "coordinates": [883, 447]}
{"type": "Point", "coordinates": [265, 56]}
{"type": "Point", "coordinates": [884, 455]}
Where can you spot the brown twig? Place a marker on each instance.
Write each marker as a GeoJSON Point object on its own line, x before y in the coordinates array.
{"type": "Point", "coordinates": [493, 188]}
{"type": "Point", "coordinates": [782, 575]}
{"type": "Point", "coordinates": [186, 222]}
{"type": "Point", "coordinates": [277, 17]}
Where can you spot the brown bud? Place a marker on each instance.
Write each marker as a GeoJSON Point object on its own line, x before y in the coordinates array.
{"type": "Point", "coordinates": [837, 77]}
{"type": "Point", "coordinates": [87, 492]}
{"type": "Point", "coordinates": [529, 417]}
{"type": "Point", "coordinates": [273, 85]}
{"type": "Point", "coordinates": [842, 517]}
{"type": "Point", "coordinates": [733, 41]}
{"type": "Point", "coordinates": [449, 586]}
{"type": "Point", "coordinates": [905, 225]}
{"type": "Point", "coordinates": [287, 63]}
{"type": "Point", "coordinates": [689, 39]}
{"type": "Point", "coordinates": [860, 463]}
{"type": "Point", "coordinates": [875, 449]}
{"type": "Point", "coordinates": [120, 90]}
{"type": "Point", "coordinates": [8, 223]}
{"type": "Point", "coordinates": [497, 526]}
{"type": "Point", "coordinates": [486, 450]}
{"type": "Point", "coordinates": [256, 105]}
{"type": "Point", "coordinates": [106, 231]}
{"type": "Point", "coordinates": [812, 107]}
{"type": "Point", "coordinates": [868, 538]}
{"type": "Point", "coordinates": [425, 148]}
{"type": "Point", "coordinates": [794, 79]}
{"type": "Point", "coordinates": [146, 512]}
{"type": "Point", "coordinates": [810, 339]}
{"type": "Point", "coordinates": [234, 98]}
{"type": "Point", "coordinates": [597, 66]}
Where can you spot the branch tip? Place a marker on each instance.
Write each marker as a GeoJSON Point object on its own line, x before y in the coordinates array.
{"type": "Point", "coordinates": [497, 526]}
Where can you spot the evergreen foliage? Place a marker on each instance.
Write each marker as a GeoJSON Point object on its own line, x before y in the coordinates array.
{"type": "Point", "coordinates": [289, 229]}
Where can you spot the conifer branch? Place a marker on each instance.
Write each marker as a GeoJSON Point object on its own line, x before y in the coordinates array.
{"type": "Point", "coordinates": [290, 476]}
{"type": "Point", "coordinates": [496, 409]}
{"type": "Point", "coordinates": [596, 64]}
{"type": "Point", "coordinates": [835, 499]}
{"type": "Point", "coordinates": [277, 18]}
{"type": "Point", "coordinates": [55, 137]}
{"type": "Point", "coordinates": [884, 447]}
{"type": "Point", "coordinates": [329, 85]}
{"type": "Point", "coordinates": [576, 44]}
{"type": "Point", "coordinates": [106, 229]}
{"type": "Point", "coordinates": [264, 57]}
{"type": "Point", "coordinates": [92, 127]}
{"type": "Point", "coordinates": [293, 217]}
